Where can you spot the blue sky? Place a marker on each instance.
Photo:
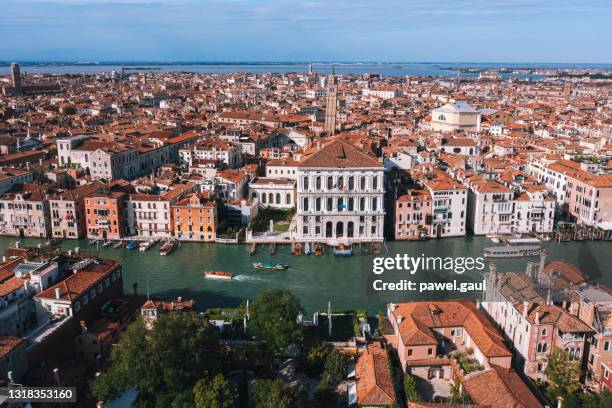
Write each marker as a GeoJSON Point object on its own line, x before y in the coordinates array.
{"type": "Point", "coordinates": [322, 30]}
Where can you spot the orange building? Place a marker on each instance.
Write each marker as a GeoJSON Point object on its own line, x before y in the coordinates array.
{"type": "Point", "coordinates": [104, 215]}
{"type": "Point", "coordinates": [195, 218]}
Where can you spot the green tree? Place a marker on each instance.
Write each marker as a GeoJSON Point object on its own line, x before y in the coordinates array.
{"type": "Point", "coordinates": [336, 367]}
{"type": "Point", "coordinates": [562, 374]}
{"type": "Point", "coordinates": [273, 394]}
{"type": "Point", "coordinates": [315, 359]}
{"type": "Point", "coordinates": [164, 363]}
{"type": "Point", "coordinates": [274, 319]}
{"type": "Point", "coordinates": [410, 389]}
{"type": "Point", "coordinates": [213, 393]}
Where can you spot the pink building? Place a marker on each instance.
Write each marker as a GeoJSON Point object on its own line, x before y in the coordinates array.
{"type": "Point", "coordinates": [590, 199]}
{"type": "Point", "coordinates": [413, 215]}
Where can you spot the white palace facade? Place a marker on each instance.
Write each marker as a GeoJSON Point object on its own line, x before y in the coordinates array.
{"type": "Point", "coordinates": [340, 195]}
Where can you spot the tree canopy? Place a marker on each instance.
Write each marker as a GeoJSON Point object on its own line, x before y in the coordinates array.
{"type": "Point", "coordinates": [213, 393]}
{"type": "Point", "coordinates": [164, 363]}
{"type": "Point", "coordinates": [273, 319]}
{"type": "Point", "coordinates": [273, 394]}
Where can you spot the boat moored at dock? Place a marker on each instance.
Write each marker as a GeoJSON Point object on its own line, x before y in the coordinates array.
{"type": "Point", "coordinates": [131, 245]}
{"type": "Point", "coordinates": [166, 248]}
{"type": "Point", "coordinates": [512, 251]}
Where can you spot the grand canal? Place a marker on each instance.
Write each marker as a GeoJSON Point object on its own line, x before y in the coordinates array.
{"type": "Point", "coordinates": [315, 280]}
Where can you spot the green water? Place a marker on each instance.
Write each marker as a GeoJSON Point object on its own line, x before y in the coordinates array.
{"type": "Point", "coordinates": [315, 280]}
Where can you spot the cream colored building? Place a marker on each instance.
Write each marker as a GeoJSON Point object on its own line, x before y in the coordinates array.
{"type": "Point", "coordinates": [457, 115]}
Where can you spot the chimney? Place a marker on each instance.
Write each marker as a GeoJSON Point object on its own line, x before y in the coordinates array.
{"type": "Point", "coordinates": [541, 268]}
{"type": "Point", "coordinates": [179, 299]}
{"type": "Point", "coordinates": [58, 294]}
{"type": "Point", "coordinates": [392, 306]}
{"type": "Point", "coordinates": [525, 308]}
{"type": "Point", "coordinates": [537, 317]}
{"type": "Point", "coordinates": [4, 259]}
{"type": "Point", "coordinates": [17, 244]}
{"type": "Point", "coordinates": [548, 297]}
{"type": "Point", "coordinates": [559, 401]}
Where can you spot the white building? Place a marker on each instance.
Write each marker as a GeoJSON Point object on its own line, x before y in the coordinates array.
{"type": "Point", "coordinates": [449, 206]}
{"type": "Point", "coordinates": [340, 195]}
{"type": "Point", "coordinates": [490, 208]}
{"type": "Point", "coordinates": [273, 192]}
{"type": "Point", "coordinates": [213, 149]}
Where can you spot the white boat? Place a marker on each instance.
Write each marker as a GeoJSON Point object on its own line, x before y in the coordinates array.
{"type": "Point", "coordinates": [118, 244]}
{"type": "Point", "coordinates": [145, 245]}
{"type": "Point", "coordinates": [494, 239]}
{"type": "Point", "coordinates": [512, 251]}
{"type": "Point", "coordinates": [523, 241]}
{"type": "Point", "coordinates": [307, 249]}
{"type": "Point", "coordinates": [107, 243]}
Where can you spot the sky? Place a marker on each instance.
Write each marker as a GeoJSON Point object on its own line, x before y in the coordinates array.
{"type": "Point", "coordinates": [554, 31]}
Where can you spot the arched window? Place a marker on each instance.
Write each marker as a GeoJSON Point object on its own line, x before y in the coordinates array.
{"type": "Point", "coordinates": [544, 332]}
{"type": "Point", "coordinates": [441, 117]}
{"type": "Point", "coordinates": [289, 199]}
{"type": "Point", "coordinates": [278, 199]}
{"type": "Point", "coordinates": [374, 203]}
{"type": "Point", "coordinates": [351, 204]}
{"type": "Point", "coordinates": [362, 204]}
{"type": "Point", "coordinates": [340, 204]}
{"type": "Point", "coordinates": [375, 183]}
{"type": "Point", "coordinates": [306, 183]}
{"type": "Point", "coordinates": [330, 183]}
{"type": "Point", "coordinates": [351, 183]}
{"type": "Point", "coordinates": [318, 203]}
{"type": "Point", "coordinates": [263, 198]}
{"type": "Point", "coordinates": [305, 206]}
{"type": "Point", "coordinates": [330, 203]}
{"type": "Point", "coordinates": [362, 183]}
{"type": "Point", "coordinates": [318, 183]}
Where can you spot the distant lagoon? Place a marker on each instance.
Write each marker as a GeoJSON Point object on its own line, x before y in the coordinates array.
{"type": "Point", "coordinates": [391, 69]}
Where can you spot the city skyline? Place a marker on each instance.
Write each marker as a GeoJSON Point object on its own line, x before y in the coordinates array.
{"type": "Point", "coordinates": [275, 30]}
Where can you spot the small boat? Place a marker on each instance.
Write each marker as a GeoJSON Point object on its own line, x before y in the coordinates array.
{"type": "Point", "coordinates": [107, 243]}
{"type": "Point", "coordinates": [166, 248]}
{"type": "Point", "coordinates": [318, 250]}
{"type": "Point", "coordinates": [145, 245]}
{"type": "Point", "coordinates": [523, 241]}
{"type": "Point", "coordinates": [218, 275]}
{"type": "Point", "coordinates": [494, 239]}
{"type": "Point", "coordinates": [307, 249]}
{"type": "Point", "coordinates": [132, 245]}
{"type": "Point", "coordinates": [343, 250]}
{"type": "Point", "coordinates": [269, 265]}
{"type": "Point", "coordinates": [512, 251]}
{"type": "Point", "coordinates": [297, 249]}
{"type": "Point", "coordinates": [118, 244]}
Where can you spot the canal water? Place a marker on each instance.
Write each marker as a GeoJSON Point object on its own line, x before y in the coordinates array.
{"type": "Point", "coordinates": [314, 280]}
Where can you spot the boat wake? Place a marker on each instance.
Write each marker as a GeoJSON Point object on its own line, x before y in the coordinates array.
{"type": "Point", "coordinates": [246, 278]}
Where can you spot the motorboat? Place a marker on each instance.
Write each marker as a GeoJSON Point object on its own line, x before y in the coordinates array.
{"type": "Point", "coordinates": [145, 245]}
{"type": "Point", "coordinates": [218, 275]}
{"type": "Point", "coordinates": [512, 251]}
{"type": "Point", "coordinates": [132, 245]}
{"type": "Point", "coordinates": [166, 248]}
{"type": "Point", "coordinates": [270, 265]}
{"type": "Point", "coordinates": [343, 250]}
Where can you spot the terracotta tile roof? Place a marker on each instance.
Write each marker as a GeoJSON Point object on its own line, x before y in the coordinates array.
{"type": "Point", "coordinates": [8, 344]}
{"type": "Point", "coordinates": [374, 384]}
{"type": "Point", "coordinates": [77, 284]}
{"type": "Point", "coordinates": [499, 388]}
{"type": "Point", "coordinates": [10, 285]}
{"type": "Point", "coordinates": [419, 318]}
{"type": "Point", "coordinates": [339, 154]}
